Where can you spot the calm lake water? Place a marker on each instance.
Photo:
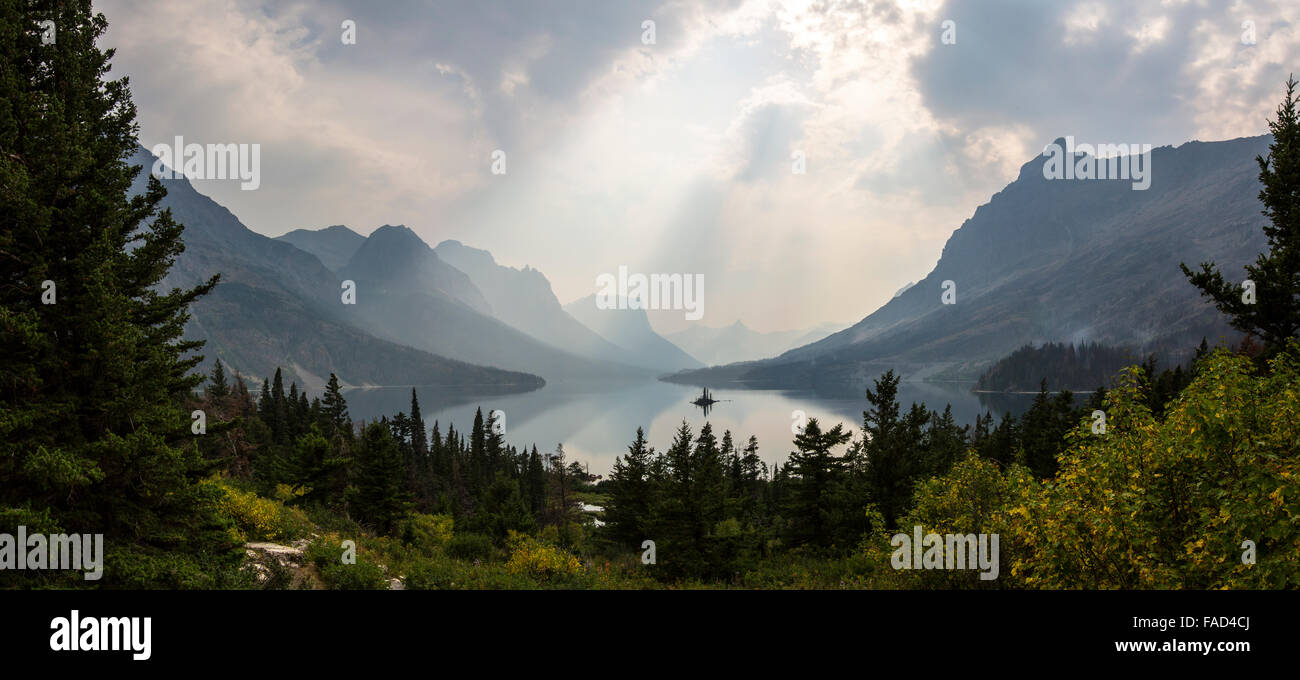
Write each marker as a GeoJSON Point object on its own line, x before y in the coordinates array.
{"type": "Point", "coordinates": [596, 422]}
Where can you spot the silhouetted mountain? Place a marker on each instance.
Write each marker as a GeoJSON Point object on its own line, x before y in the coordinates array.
{"type": "Point", "coordinates": [406, 293]}
{"type": "Point", "coordinates": [738, 342]}
{"type": "Point", "coordinates": [278, 306]}
{"type": "Point", "coordinates": [630, 329]}
{"type": "Point", "coordinates": [523, 298]}
{"type": "Point", "coordinates": [333, 246]}
{"type": "Point", "coordinates": [395, 258]}
{"type": "Point", "coordinates": [1055, 261]}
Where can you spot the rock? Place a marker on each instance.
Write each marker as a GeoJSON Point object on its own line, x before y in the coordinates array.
{"type": "Point", "coordinates": [265, 560]}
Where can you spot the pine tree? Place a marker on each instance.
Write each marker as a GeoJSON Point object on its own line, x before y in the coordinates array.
{"type": "Point", "coordinates": [219, 389]}
{"type": "Point", "coordinates": [752, 472]}
{"type": "Point", "coordinates": [317, 469]}
{"type": "Point", "coordinates": [813, 503]}
{"type": "Point", "coordinates": [493, 443]}
{"type": "Point", "coordinates": [628, 509]}
{"type": "Point", "coordinates": [536, 483]}
{"type": "Point", "coordinates": [335, 410]}
{"type": "Point", "coordinates": [291, 424]}
{"type": "Point", "coordinates": [885, 448]}
{"type": "Point", "coordinates": [278, 416]}
{"type": "Point", "coordinates": [708, 483]}
{"type": "Point", "coordinates": [378, 496]}
{"type": "Point", "coordinates": [673, 510]}
{"type": "Point", "coordinates": [1274, 314]}
{"type": "Point", "coordinates": [477, 453]}
{"type": "Point", "coordinates": [419, 437]}
{"type": "Point", "coordinates": [94, 436]}
{"type": "Point", "coordinates": [265, 403]}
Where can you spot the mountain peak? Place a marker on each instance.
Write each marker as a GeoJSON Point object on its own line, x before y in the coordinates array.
{"type": "Point", "coordinates": [397, 234]}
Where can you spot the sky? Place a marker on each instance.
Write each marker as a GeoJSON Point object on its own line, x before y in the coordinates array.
{"type": "Point", "coordinates": [679, 154]}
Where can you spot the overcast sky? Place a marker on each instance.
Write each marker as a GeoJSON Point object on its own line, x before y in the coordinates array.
{"type": "Point", "coordinates": [675, 157]}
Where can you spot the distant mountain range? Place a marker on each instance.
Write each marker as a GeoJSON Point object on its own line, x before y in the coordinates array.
{"type": "Point", "coordinates": [333, 246]}
{"type": "Point", "coordinates": [278, 306]}
{"type": "Point", "coordinates": [418, 318]}
{"type": "Point", "coordinates": [738, 342]}
{"type": "Point", "coordinates": [523, 298]}
{"type": "Point", "coordinates": [408, 294]}
{"type": "Point", "coordinates": [1052, 261]}
{"type": "Point", "coordinates": [630, 329]}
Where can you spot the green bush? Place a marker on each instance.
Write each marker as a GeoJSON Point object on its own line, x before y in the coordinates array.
{"type": "Point", "coordinates": [262, 519]}
{"type": "Point", "coordinates": [426, 533]}
{"type": "Point", "coordinates": [364, 575]}
{"type": "Point", "coordinates": [471, 547]}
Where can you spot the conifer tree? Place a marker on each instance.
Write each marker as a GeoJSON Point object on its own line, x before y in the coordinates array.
{"type": "Point", "coordinates": [814, 506]}
{"type": "Point", "coordinates": [477, 453]}
{"type": "Point", "coordinates": [628, 510]}
{"type": "Point", "coordinates": [378, 496]}
{"type": "Point", "coordinates": [1274, 312]}
{"type": "Point", "coordinates": [419, 437]}
{"type": "Point", "coordinates": [219, 388]}
{"type": "Point", "coordinates": [277, 414]}
{"type": "Point", "coordinates": [335, 411]}
{"type": "Point", "coordinates": [536, 483]}
{"type": "Point", "coordinates": [93, 368]}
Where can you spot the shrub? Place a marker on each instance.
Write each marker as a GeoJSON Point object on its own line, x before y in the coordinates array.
{"type": "Point", "coordinates": [262, 519]}
{"type": "Point", "coordinates": [470, 547]}
{"type": "Point", "coordinates": [1169, 503]}
{"type": "Point", "coordinates": [426, 533]}
{"type": "Point", "coordinates": [364, 575]}
{"type": "Point", "coordinates": [326, 552]}
{"type": "Point", "coordinates": [539, 560]}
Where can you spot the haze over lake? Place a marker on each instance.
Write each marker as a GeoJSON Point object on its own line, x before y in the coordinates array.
{"type": "Point", "coordinates": [596, 422]}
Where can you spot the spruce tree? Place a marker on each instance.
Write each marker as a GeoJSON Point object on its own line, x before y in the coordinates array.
{"type": "Point", "coordinates": [219, 389]}
{"type": "Point", "coordinates": [378, 496]}
{"type": "Point", "coordinates": [477, 453]}
{"type": "Point", "coordinates": [1274, 312]}
{"type": "Point", "coordinates": [813, 503]}
{"type": "Point", "coordinates": [887, 461]}
{"type": "Point", "coordinates": [536, 483]}
{"type": "Point", "coordinates": [419, 437]}
{"type": "Point", "coordinates": [94, 364]}
{"type": "Point", "coordinates": [628, 509]}
{"type": "Point", "coordinates": [335, 411]}
{"type": "Point", "coordinates": [278, 414]}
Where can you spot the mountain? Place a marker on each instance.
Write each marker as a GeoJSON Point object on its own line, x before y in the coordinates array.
{"type": "Point", "coordinates": [333, 246]}
{"type": "Point", "coordinates": [278, 306]}
{"type": "Point", "coordinates": [523, 298]}
{"type": "Point", "coordinates": [399, 258]}
{"type": "Point", "coordinates": [738, 342]}
{"type": "Point", "coordinates": [630, 329]}
{"type": "Point", "coordinates": [1054, 261]}
{"type": "Point", "coordinates": [406, 293]}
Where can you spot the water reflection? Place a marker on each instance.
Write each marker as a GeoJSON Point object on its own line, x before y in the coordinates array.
{"type": "Point", "coordinates": [596, 422]}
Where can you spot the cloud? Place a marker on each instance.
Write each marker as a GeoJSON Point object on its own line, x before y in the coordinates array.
{"type": "Point", "coordinates": [676, 156]}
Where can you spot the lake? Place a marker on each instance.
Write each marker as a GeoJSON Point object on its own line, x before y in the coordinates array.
{"type": "Point", "coordinates": [596, 422]}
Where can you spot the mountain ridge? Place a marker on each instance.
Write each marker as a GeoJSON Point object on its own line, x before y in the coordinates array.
{"type": "Point", "coordinates": [1052, 261]}
{"type": "Point", "coordinates": [254, 320]}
